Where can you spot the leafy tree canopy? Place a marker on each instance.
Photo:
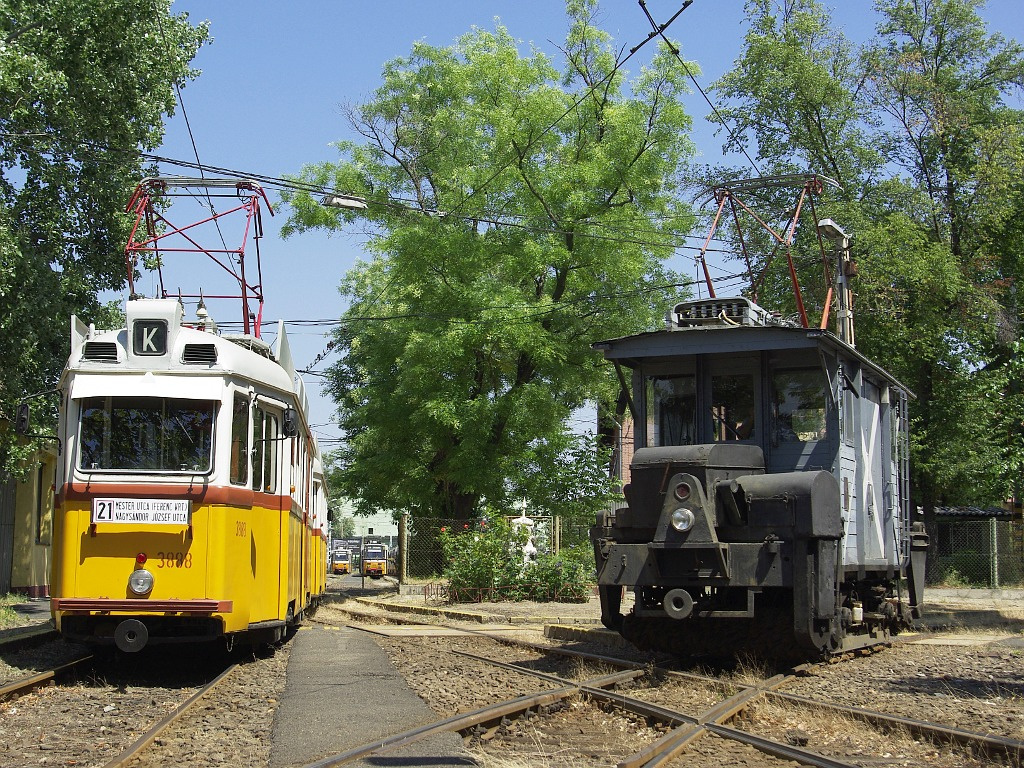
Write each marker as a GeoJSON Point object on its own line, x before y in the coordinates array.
{"type": "Point", "coordinates": [916, 126]}
{"type": "Point", "coordinates": [517, 214]}
{"type": "Point", "coordinates": [84, 85]}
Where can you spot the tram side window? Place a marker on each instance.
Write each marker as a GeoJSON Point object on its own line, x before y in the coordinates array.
{"type": "Point", "coordinates": [799, 405]}
{"type": "Point", "coordinates": [240, 440]}
{"type": "Point", "coordinates": [733, 408]}
{"type": "Point", "coordinates": [146, 434]}
{"type": "Point", "coordinates": [265, 431]}
{"type": "Point", "coordinates": [672, 410]}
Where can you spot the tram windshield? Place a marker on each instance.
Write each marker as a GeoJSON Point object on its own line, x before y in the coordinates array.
{"type": "Point", "coordinates": [672, 405]}
{"type": "Point", "coordinates": [146, 434]}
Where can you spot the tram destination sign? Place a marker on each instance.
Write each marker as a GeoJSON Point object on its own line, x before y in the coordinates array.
{"type": "Point", "coordinates": [151, 511]}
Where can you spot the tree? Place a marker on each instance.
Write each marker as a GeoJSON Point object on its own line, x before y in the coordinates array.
{"type": "Point", "coordinates": [84, 86]}
{"type": "Point", "coordinates": [519, 214]}
{"type": "Point", "coordinates": [917, 130]}
{"type": "Point", "coordinates": [942, 82]}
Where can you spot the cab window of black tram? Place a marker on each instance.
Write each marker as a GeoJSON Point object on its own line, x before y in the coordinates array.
{"type": "Point", "coordinates": [799, 405]}
{"type": "Point", "coordinates": [146, 434]}
{"type": "Point", "coordinates": [733, 408]}
{"type": "Point", "coordinates": [672, 410]}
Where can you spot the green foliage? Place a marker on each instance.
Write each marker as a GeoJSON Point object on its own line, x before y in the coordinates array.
{"type": "Point", "coordinates": [484, 561]}
{"type": "Point", "coordinates": [9, 617]}
{"type": "Point", "coordinates": [518, 214]}
{"type": "Point", "coordinates": [566, 476]}
{"type": "Point", "coordinates": [566, 577]}
{"type": "Point", "coordinates": [84, 85]}
{"type": "Point", "coordinates": [483, 558]}
{"type": "Point", "coordinates": [953, 579]}
{"type": "Point", "coordinates": [343, 528]}
{"type": "Point", "coordinates": [917, 127]}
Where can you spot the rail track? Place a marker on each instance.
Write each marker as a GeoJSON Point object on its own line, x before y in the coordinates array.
{"type": "Point", "coordinates": [97, 710]}
{"type": "Point", "coordinates": [712, 717]}
{"type": "Point", "coordinates": [544, 703]}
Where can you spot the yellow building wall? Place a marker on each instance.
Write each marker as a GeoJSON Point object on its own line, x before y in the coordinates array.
{"type": "Point", "coordinates": [33, 527]}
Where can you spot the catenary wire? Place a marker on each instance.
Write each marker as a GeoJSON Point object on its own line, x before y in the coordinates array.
{"type": "Point", "coordinates": [660, 30]}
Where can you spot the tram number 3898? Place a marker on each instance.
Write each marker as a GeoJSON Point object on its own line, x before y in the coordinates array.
{"type": "Point", "coordinates": [173, 559]}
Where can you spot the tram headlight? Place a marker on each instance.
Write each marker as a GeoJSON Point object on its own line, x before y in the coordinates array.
{"type": "Point", "coordinates": [140, 582]}
{"type": "Point", "coordinates": [683, 519]}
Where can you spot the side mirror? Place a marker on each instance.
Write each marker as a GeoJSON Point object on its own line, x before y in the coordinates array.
{"type": "Point", "coordinates": [290, 422]}
{"type": "Point", "coordinates": [23, 419]}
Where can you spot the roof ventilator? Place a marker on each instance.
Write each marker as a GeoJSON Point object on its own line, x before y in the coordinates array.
{"type": "Point", "coordinates": [201, 354]}
{"type": "Point", "coordinates": [100, 351]}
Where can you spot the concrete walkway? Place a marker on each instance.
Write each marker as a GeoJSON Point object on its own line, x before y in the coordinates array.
{"type": "Point", "coordinates": [342, 693]}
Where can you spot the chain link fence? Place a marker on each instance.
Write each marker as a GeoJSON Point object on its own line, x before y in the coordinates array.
{"type": "Point", "coordinates": [977, 553]}
{"type": "Point", "coordinates": [425, 561]}
{"type": "Point", "coordinates": [423, 556]}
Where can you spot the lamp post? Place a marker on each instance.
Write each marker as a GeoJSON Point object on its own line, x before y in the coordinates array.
{"type": "Point", "coordinates": [844, 271]}
{"type": "Point", "coordinates": [347, 202]}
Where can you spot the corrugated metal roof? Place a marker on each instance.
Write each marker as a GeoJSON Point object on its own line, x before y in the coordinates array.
{"type": "Point", "coordinates": [973, 512]}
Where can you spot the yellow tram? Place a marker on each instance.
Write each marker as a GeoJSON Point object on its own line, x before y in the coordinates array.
{"type": "Point", "coordinates": [341, 562]}
{"type": "Point", "coordinates": [374, 560]}
{"type": "Point", "coordinates": [191, 502]}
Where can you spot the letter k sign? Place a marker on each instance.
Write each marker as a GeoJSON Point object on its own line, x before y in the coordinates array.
{"type": "Point", "coordinates": [149, 337]}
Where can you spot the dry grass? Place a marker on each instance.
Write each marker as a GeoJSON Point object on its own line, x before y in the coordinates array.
{"type": "Point", "coordinates": [840, 735]}
{"type": "Point", "coordinates": [533, 755]}
{"type": "Point", "coordinates": [751, 670]}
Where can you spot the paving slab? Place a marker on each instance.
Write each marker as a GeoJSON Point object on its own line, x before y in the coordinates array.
{"type": "Point", "coordinates": [342, 692]}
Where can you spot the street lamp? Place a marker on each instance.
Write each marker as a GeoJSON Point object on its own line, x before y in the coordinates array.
{"type": "Point", "coordinates": [844, 271]}
{"type": "Point", "coordinates": [348, 202]}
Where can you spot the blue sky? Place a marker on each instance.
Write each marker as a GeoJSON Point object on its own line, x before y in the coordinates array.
{"type": "Point", "coordinates": [274, 78]}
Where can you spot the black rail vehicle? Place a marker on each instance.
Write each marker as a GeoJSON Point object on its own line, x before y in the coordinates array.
{"type": "Point", "coordinates": [767, 502]}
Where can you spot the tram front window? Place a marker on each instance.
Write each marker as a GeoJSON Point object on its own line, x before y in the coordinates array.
{"type": "Point", "coordinates": [672, 404]}
{"type": "Point", "coordinates": [146, 434]}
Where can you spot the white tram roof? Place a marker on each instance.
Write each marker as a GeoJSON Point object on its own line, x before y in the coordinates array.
{"type": "Point", "coordinates": [156, 347]}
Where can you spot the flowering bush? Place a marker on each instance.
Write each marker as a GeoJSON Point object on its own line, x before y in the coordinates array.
{"type": "Point", "coordinates": [484, 561]}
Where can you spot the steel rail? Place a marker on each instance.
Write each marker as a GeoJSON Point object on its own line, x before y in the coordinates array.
{"type": "Point", "coordinates": [149, 736]}
{"type": "Point", "coordinates": [659, 752]}
{"type": "Point", "coordinates": [989, 744]}
{"type": "Point", "coordinates": [776, 748]}
{"type": "Point", "coordinates": [670, 746]}
{"type": "Point", "coordinates": [597, 682]}
{"type": "Point", "coordinates": [667, 748]}
{"type": "Point", "coordinates": [461, 722]}
{"type": "Point", "coordinates": [691, 728]}
{"type": "Point", "coordinates": [30, 682]}
{"type": "Point", "coordinates": [468, 720]}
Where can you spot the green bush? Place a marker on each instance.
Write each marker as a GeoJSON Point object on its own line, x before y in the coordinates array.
{"type": "Point", "coordinates": [484, 561]}
{"type": "Point", "coordinates": [964, 569]}
{"type": "Point", "coordinates": [560, 577]}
